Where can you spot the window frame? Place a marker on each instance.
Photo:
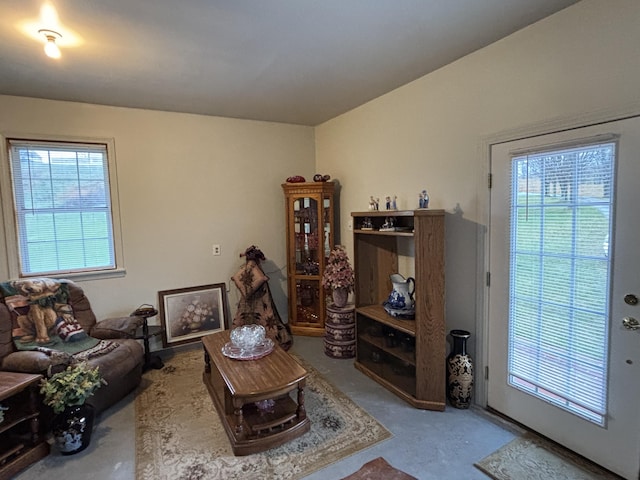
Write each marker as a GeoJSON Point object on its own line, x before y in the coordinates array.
{"type": "Point", "coordinates": [8, 210]}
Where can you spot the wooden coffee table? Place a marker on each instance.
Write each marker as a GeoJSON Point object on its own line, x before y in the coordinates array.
{"type": "Point", "coordinates": [236, 385]}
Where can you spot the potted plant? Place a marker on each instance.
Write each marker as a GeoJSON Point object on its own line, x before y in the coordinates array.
{"type": "Point", "coordinates": [66, 393]}
{"type": "Point", "coordinates": [339, 276]}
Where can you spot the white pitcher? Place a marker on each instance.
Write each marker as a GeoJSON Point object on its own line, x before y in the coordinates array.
{"type": "Point", "coordinates": [401, 297]}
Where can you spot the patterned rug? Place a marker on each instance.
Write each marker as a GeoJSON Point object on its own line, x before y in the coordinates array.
{"type": "Point", "coordinates": [179, 434]}
{"type": "Point", "coordinates": [532, 458]}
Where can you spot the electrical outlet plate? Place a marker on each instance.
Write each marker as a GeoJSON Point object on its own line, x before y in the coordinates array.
{"type": "Point", "coordinates": [216, 250]}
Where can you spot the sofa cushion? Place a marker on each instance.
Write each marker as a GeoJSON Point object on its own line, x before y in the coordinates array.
{"type": "Point", "coordinates": [56, 343]}
{"type": "Point", "coordinates": [34, 361]}
{"type": "Point", "coordinates": [81, 306]}
{"type": "Point", "coordinates": [120, 360]}
{"type": "Point", "coordinates": [120, 327]}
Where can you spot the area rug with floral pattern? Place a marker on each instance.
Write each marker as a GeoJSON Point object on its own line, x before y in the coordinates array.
{"type": "Point", "coordinates": [531, 457]}
{"type": "Point", "coordinates": [179, 434]}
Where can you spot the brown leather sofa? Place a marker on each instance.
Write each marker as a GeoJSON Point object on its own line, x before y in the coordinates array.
{"type": "Point", "coordinates": [121, 367]}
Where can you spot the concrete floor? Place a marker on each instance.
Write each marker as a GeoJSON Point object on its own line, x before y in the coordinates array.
{"type": "Point", "coordinates": [427, 445]}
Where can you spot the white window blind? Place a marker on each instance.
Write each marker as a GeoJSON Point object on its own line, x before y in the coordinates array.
{"type": "Point", "coordinates": [561, 217]}
{"type": "Point", "coordinates": [62, 207]}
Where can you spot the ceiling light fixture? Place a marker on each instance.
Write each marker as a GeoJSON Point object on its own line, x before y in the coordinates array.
{"type": "Point", "coordinates": [51, 48]}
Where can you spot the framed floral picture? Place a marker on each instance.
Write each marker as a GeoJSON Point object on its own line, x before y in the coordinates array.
{"type": "Point", "coordinates": [193, 312]}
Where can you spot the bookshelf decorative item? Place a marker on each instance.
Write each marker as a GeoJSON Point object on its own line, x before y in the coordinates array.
{"type": "Point", "coordinates": [338, 276]}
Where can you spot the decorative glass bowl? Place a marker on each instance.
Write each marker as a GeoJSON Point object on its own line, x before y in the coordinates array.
{"type": "Point", "coordinates": [248, 342]}
{"type": "Point", "coordinates": [248, 336]}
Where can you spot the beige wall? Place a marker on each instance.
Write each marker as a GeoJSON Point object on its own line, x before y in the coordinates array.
{"type": "Point", "coordinates": [430, 133]}
{"type": "Point", "coordinates": [185, 183]}
{"type": "Point", "coordinates": [188, 181]}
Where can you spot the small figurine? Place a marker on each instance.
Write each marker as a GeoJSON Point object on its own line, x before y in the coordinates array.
{"type": "Point", "coordinates": [372, 203]}
{"type": "Point", "coordinates": [423, 199]}
{"type": "Point", "coordinates": [394, 205]}
{"type": "Point", "coordinates": [321, 178]}
{"type": "Point", "coordinates": [388, 225]}
{"type": "Point", "coordinates": [388, 200]}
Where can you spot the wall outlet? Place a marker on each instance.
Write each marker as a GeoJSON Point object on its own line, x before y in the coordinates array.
{"type": "Point", "coordinates": [216, 250]}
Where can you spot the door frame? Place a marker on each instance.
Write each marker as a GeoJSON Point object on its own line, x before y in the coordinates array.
{"type": "Point", "coordinates": [558, 124]}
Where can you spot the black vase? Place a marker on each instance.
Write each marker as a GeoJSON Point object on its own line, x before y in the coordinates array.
{"type": "Point", "coordinates": [459, 371]}
{"type": "Point", "coordinates": [72, 428]}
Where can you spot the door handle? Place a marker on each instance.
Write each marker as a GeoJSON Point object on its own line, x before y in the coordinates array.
{"type": "Point", "coordinates": [630, 323]}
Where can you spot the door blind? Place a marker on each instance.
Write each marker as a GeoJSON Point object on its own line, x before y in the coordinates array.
{"type": "Point", "coordinates": [560, 228]}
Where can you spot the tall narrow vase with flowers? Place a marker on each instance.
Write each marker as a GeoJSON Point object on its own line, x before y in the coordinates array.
{"type": "Point", "coordinates": [339, 276]}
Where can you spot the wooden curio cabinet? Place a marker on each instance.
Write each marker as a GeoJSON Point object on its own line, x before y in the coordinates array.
{"type": "Point", "coordinates": [310, 239]}
{"type": "Point", "coordinates": [407, 356]}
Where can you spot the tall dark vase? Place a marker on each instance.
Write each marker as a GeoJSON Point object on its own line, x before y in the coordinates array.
{"type": "Point", "coordinates": [459, 371]}
{"type": "Point", "coordinates": [72, 428]}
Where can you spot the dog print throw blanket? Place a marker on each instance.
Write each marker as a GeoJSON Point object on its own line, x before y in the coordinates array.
{"type": "Point", "coordinates": [44, 319]}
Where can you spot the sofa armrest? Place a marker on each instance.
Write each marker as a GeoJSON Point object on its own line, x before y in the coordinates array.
{"type": "Point", "coordinates": [33, 361]}
{"type": "Point", "coordinates": [123, 327]}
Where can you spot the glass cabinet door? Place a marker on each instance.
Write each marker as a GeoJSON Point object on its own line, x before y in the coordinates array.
{"type": "Point", "coordinates": [327, 216]}
{"type": "Point", "coordinates": [309, 245]}
{"type": "Point", "coordinates": [305, 215]}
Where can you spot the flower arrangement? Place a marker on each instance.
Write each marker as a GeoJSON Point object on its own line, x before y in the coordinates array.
{"type": "Point", "coordinates": [71, 386]}
{"type": "Point", "coordinates": [338, 272]}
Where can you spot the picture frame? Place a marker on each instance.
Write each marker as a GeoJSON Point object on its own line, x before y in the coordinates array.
{"type": "Point", "coordinates": [187, 314]}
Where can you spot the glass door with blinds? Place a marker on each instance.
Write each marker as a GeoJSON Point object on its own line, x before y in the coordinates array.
{"type": "Point", "coordinates": [562, 360]}
{"type": "Point", "coordinates": [560, 222]}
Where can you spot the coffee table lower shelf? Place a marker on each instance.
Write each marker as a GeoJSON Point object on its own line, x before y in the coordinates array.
{"type": "Point", "coordinates": [260, 430]}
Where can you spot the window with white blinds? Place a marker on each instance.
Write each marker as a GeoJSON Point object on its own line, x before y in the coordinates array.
{"type": "Point", "coordinates": [63, 207]}
{"type": "Point", "coordinates": [561, 219]}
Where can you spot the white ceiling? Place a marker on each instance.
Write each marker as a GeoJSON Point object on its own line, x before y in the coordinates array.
{"type": "Point", "coordinates": [292, 61]}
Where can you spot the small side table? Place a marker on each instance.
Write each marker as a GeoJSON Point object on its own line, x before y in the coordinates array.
{"type": "Point", "coordinates": [21, 439]}
{"type": "Point", "coordinates": [340, 331]}
{"type": "Point", "coordinates": [145, 333]}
